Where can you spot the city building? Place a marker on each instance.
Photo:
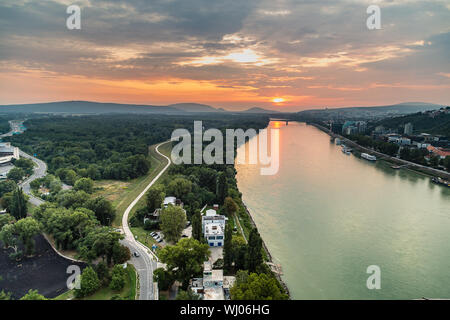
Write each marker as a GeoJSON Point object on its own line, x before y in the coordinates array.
{"type": "Point", "coordinates": [213, 228]}
{"type": "Point", "coordinates": [8, 152]}
{"type": "Point", "coordinates": [408, 130]}
{"type": "Point", "coordinates": [213, 285]}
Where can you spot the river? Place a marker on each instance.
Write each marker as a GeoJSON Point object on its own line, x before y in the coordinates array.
{"type": "Point", "coordinates": [326, 216]}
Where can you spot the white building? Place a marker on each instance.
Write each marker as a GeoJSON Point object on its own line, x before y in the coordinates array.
{"type": "Point", "coordinates": [408, 130]}
{"type": "Point", "coordinates": [213, 228]}
{"type": "Point", "coordinates": [8, 152]}
{"type": "Point", "coordinates": [169, 200]}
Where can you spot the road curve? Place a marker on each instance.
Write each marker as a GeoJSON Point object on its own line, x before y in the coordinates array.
{"type": "Point", "coordinates": [39, 171]}
{"type": "Point", "coordinates": [147, 262]}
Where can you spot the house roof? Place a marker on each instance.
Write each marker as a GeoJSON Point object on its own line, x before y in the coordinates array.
{"type": "Point", "coordinates": [439, 151]}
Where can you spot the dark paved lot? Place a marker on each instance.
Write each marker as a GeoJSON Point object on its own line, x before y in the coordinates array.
{"type": "Point", "coordinates": [45, 271]}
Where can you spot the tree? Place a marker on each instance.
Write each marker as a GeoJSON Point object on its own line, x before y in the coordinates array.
{"type": "Point", "coordinates": [16, 174]}
{"type": "Point", "coordinates": [179, 187]}
{"type": "Point", "coordinates": [72, 199]}
{"type": "Point", "coordinates": [240, 249]}
{"type": "Point", "coordinates": [173, 221]}
{"type": "Point", "coordinates": [70, 177]}
{"type": "Point", "coordinates": [434, 161]}
{"type": "Point", "coordinates": [33, 295]}
{"type": "Point", "coordinates": [221, 188]}
{"type": "Point", "coordinates": [187, 295]}
{"type": "Point", "coordinates": [447, 163]}
{"type": "Point", "coordinates": [103, 209]}
{"type": "Point", "coordinates": [7, 236]}
{"type": "Point", "coordinates": [84, 184]}
{"type": "Point", "coordinates": [228, 253]}
{"type": "Point", "coordinates": [185, 259]}
{"type": "Point", "coordinates": [5, 295]}
{"type": "Point", "coordinates": [35, 184]}
{"type": "Point", "coordinates": [155, 197]}
{"type": "Point", "coordinates": [163, 278]}
{"type": "Point", "coordinates": [196, 226]}
{"type": "Point", "coordinates": [25, 164]}
{"type": "Point", "coordinates": [256, 287]}
{"type": "Point", "coordinates": [118, 278]}
{"type": "Point", "coordinates": [102, 272]}
{"type": "Point", "coordinates": [7, 186]}
{"type": "Point", "coordinates": [18, 207]}
{"type": "Point", "coordinates": [5, 219]}
{"type": "Point", "coordinates": [230, 206]}
{"type": "Point", "coordinates": [254, 257]}
{"type": "Point", "coordinates": [120, 253]}
{"type": "Point", "coordinates": [89, 283]}
{"type": "Point", "coordinates": [26, 229]}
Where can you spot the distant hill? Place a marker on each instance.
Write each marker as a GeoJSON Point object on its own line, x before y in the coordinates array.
{"type": "Point", "coordinates": [87, 107]}
{"type": "Point", "coordinates": [376, 112]}
{"type": "Point", "coordinates": [432, 122]}
{"type": "Point", "coordinates": [193, 107]}
{"type": "Point", "coordinates": [259, 110]}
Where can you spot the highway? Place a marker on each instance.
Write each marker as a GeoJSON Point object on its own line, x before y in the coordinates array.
{"type": "Point", "coordinates": [147, 262]}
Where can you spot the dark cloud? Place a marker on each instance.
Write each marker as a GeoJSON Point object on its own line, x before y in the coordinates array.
{"type": "Point", "coordinates": [303, 44]}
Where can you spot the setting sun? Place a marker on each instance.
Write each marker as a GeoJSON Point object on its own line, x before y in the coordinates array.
{"type": "Point", "coordinates": [278, 100]}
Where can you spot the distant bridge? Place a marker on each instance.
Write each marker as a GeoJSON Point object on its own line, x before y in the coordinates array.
{"type": "Point", "coordinates": [283, 120]}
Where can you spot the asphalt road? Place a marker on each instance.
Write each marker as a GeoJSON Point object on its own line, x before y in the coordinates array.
{"type": "Point", "coordinates": [147, 262]}
{"type": "Point", "coordinates": [40, 170]}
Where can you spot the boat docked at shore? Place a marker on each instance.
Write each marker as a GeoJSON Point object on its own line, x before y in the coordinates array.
{"type": "Point", "coordinates": [368, 157]}
{"type": "Point", "coordinates": [346, 150]}
{"type": "Point", "coordinates": [441, 181]}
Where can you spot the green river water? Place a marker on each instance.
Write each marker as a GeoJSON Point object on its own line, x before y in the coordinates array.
{"type": "Point", "coordinates": [326, 216]}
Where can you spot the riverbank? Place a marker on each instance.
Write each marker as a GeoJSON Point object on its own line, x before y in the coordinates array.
{"type": "Point", "coordinates": [431, 172]}
{"type": "Point", "coordinates": [269, 255]}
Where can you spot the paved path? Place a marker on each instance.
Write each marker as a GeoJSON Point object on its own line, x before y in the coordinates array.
{"type": "Point", "coordinates": [147, 262]}
{"type": "Point", "coordinates": [40, 170]}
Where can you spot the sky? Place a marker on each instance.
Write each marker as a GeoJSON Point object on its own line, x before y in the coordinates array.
{"type": "Point", "coordinates": [282, 55]}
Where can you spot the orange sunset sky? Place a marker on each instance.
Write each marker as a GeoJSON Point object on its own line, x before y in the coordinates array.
{"type": "Point", "coordinates": [284, 55]}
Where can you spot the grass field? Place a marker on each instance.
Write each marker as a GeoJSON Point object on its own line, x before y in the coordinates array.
{"type": "Point", "coordinates": [122, 193]}
{"type": "Point", "coordinates": [128, 292]}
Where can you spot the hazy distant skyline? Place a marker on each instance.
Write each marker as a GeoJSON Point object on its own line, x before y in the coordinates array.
{"type": "Point", "coordinates": [231, 54]}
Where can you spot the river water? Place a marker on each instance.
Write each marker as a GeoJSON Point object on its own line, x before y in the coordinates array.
{"type": "Point", "coordinates": [326, 216]}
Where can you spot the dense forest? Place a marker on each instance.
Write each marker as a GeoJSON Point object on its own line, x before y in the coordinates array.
{"type": "Point", "coordinates": [107, 146]}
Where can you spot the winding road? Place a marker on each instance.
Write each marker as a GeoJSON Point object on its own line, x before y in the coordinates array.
{"type": "Point", "coordinates": [147, 261]}
{"type": "Point", "coordinates": [39, 171]}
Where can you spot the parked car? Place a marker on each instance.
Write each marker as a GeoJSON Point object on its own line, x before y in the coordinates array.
{"type": "Point", "coordinates": [160, 240]}
{"type": "Point", "coordinates": [136, 254]}
{"type": "Point", "coordinates": [153, 233]}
